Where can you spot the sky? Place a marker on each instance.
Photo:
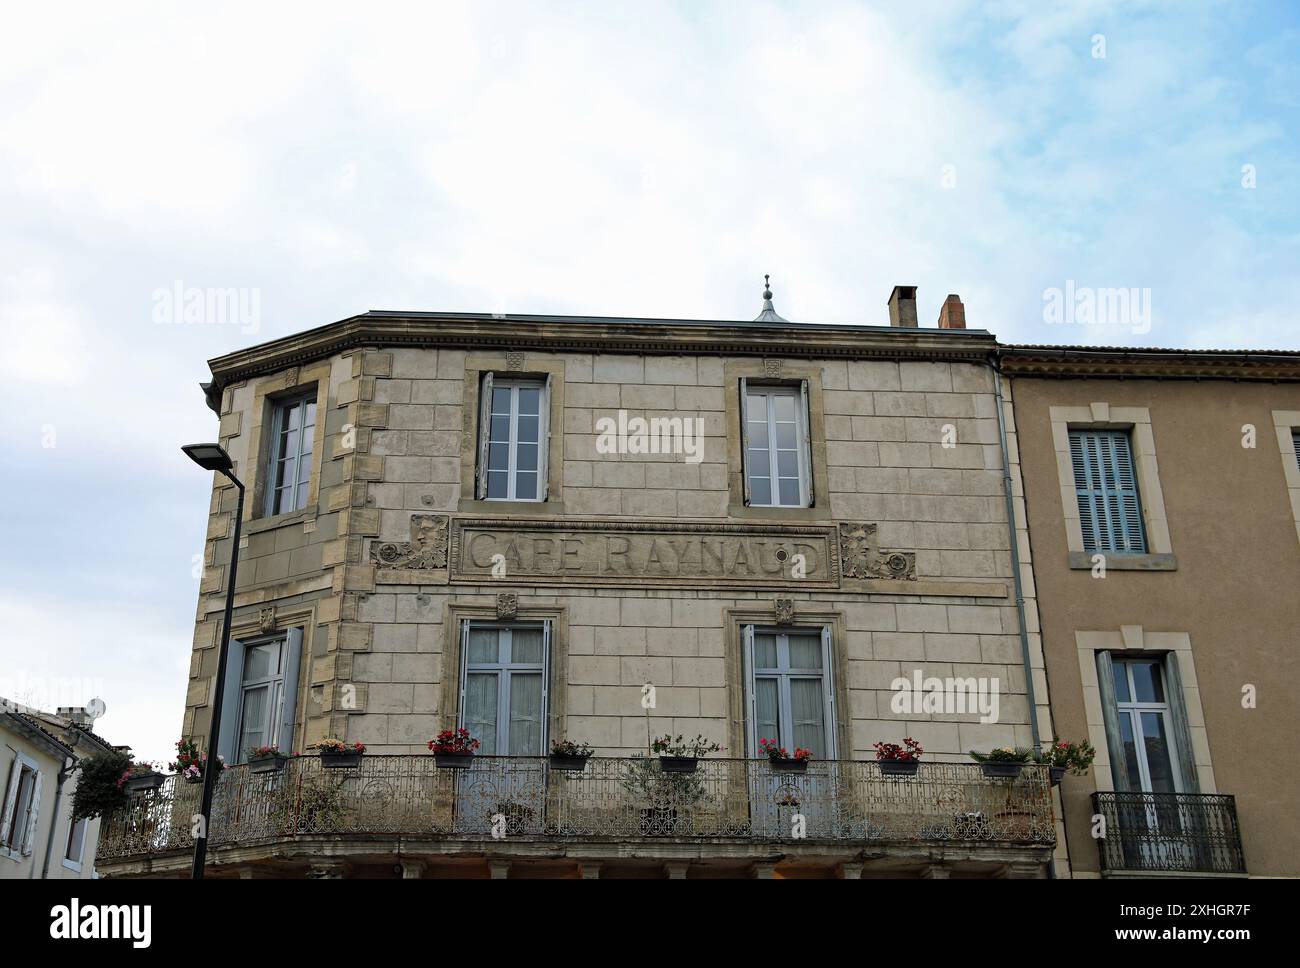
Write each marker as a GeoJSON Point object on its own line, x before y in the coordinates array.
{"type": "Point", "coordinates": [619, 159]}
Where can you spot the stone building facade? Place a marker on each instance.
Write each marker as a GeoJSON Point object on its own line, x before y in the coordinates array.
{"type": "Point", "coordinates": [455, 521]}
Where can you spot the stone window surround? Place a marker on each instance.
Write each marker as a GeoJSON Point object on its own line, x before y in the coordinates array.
{"type": "Point", "coordinates": [1137, 421]}
{"type": "Point", "coordinates": [1287, 422]}
{"type": "Point", "coordinates": [807, 616]}
{"type": "Point", "coordinates": [269, 390]}
{"type": "Point", "coordinates": [536, 367]}
{"type": "Point", "coordinates": [557, 687]}
{"type": "Point", "coordinates": [1132, 641]}
{"type": "Point", "coordinates": [756, 372]}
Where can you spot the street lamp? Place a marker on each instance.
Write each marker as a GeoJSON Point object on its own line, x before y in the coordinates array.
{"type": "Point", "coordinates": [213, 457]}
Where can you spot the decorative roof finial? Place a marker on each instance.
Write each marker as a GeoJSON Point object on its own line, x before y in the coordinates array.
{"type": "Point", "coordinates": [768, 315]}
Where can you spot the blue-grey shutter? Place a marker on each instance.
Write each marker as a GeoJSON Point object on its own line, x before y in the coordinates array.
{"type": "Point", "coordinates": [1181, 727]}
{"type": "Point", "coordinates": [289, 691]}
{"type": "Point", "coordinates": [807, 496]}
{"type": "Point", "coordinates": [1110, 716]}
{"type": "Point", "coordinates": [231, 707]}
{"type": "Point", "coordinates": [751, 696]}
{"type": "Point", "coordinates": [546, 684]}
{"type": "Point", "coordinates": [484, 434]}
{"type": "Point", "coordinates": [1110, 509]}
{"type": "Point", "coordinates": [33, 816]}
{"type": "Point", "coordinates": [744, 439]}
{"type": "Point", "coordinates": [828, 690]}
{"type": "Point", "coordinates": [11, 797]}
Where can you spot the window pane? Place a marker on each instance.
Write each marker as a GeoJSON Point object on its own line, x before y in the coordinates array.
{"type": "Point", "coordinates": [501, 400]}
{"type": "Point", "coordinates": [311, 415]}
{"type": "Point", "coordinates": [808, 713]}
{"type": "Point", "coordinates": [481, 709]}
{"type": "Point", "coordinates": [786, 436]}
{"type": "Point", "coordinates": [253, 732]}
{"type": "Point", "coordinates": [529, 400]}
{"type": "Point", "coordinates": [760, 490]}
{"type": "Point", "coordinates": [500, 429]}
{"type": "Point", "coordinates": [526, 646]}
{"type": "Point", "coordinates": [1159, 762]}
{"type": "Point", "coordinates": [291, 416]}
{"type": "Point", "coordinates": [784, 406]}
{"type": "Point", "coordinates": [758, 434]}
{"type": "Point", "coordinates": [767, 722]}
{"type": "Point", "coordinates": [261, 661]}
{"type": "Point", "coordinates": [497, 484]}
{"type": "Point", "coordinates": [526, 458]}
{"type": "Point", "coordinates": [1120, 669]}
{"type": "Point", "coordinates": [526, 486]}
{"type": "Point", "coordinates": [757, 407]}
{"type": "Point", "coordinates": [498, 456]}
{"type": "Point", "coordinates": [805, 652]}
{"type": "Point", "coordinates": [302, 497]}
{"type": "Point", "coordinates": [483, 646]}
{"type": "Point", "coordinates": [525, 714]}
{"type": "Point", "coordinates": [1146, 680]}
{"type": "Point", "coordinates": [76, 838]}
{"type": "Point", "coordinates": [526, 432]}
{"type": "Point", "coordinates": [1130, 751]}
{"type": "Point", "coordinates": [787, 463]}
{"type": "Point", "coordinates": [289, 445]}
{"type": "Point", "coordinates": [789, 493]}
{"type": "Point", "coordinates": [764, 651]}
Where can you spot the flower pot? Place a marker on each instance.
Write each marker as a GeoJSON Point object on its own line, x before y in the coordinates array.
{"type": "Point", "coordinates": [1058, 774]}
{"type": "Point", "coordinates": [898, 767]}
{"type": "Point", "coordinates": [1002, 769]}
{"type": "Point", "coordinates": [144, 781]}
{"type": "Point", "coordinates": [194, 779]}
{"type": "Point", "coordinates": [569, 764]}
{"type": "Point", "coordinates": [678, 764]}
{"type": "Point", "coordinates": [453, 761]}
{"type": "Point", "coordinates": [267, 764]}
{"type": "Point", "coordinates": [340, 761]}
{"type": "Point", "coordinates": [789, 766]}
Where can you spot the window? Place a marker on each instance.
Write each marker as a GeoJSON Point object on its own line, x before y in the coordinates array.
{"type": "Point", "coordinates": [293, 433]}
{"type": "Point", "coordinates": [1295, 446]}
{"type": "Point", "coordinates": [504, 686]}
{"type": "Point", "coordinates": [260, 700]}
{"type": "Point", "coordinates": [22, 806]}
{"type": "Point", "coordinates": [513, 439]}
{"type": "Point", "coordinates": [776, 448]}
{"type": "Point", "coordinates": [1146, 726]}
{"type": "Point", "coordinates": [1110, 512]}
{"type": "Point", "coordinates": [790, 690]}
{"type": "Point", "coordinates": [76, 842]}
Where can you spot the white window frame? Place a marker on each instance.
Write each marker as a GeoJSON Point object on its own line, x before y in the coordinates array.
{"type": "Point", "coordinates": [70, 862]}
{"type": "Point", "coordinates": [274, 684]}
{"type": "Point", "coordinates": [769, 392]}
{"type": "Point", "coordinates": [301, 489]}
{"type": "Point", "coordinates": [1133, 710]}
{"type": "Point", "coordinates": [784, 675]}
{"type": "Point", "coordinates": [514, 385]}
{"type": "Point", "coordinates": [504, 671]}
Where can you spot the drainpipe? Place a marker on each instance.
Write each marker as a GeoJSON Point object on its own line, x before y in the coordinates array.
{"type": "Point", "coordinates": [69, 765]}
{"type": "Point", "coordinates": [1008, 494]}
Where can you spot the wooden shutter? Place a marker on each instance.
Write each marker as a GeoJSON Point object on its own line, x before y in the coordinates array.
{"type": "Point", "coordinates": [289, 690]}
{"type": "Point", "coordinates": [1110, 716]}
{"type": "Point", "coordinates": [546, 683]}
{"type": "Point", "coordinates": [744, 440]}
{"type": "Point", "coordinates": [484, 435]}
{"type": "Point", "coordinates": [459, 719]}
{"type": "Point", "coordinates": [33, 815]}
{"type": "Point", "coordinates": [751, 692]}
{"type": "Point", "coordinates": [805, 459]}
{"type": "Point", "coordinates": [1110, 510]}
{"type": "Point", "coordinates": [828, 688]}
{"type": "Point", "coordinates": [11, 798]}
{"type": "Point", "coordinates": [544, 444]}
{"type": "Point", "coordinates": [1182, 737]}
{"type": "Point", "coordinates": [232, 706]}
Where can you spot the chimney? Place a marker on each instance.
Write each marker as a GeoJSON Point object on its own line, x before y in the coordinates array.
{"type": "Point", "coordinates": [952, 315]}
{"type": "Point", "coordinates": [902, 306]}
{"type": "Point", "coordinates": [77, 715]}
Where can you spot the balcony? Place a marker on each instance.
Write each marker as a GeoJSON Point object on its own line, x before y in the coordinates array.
{"type": "Point", "coordinates": [1178, 833]}
{"type": "Point", "coordinates": [521, 805]}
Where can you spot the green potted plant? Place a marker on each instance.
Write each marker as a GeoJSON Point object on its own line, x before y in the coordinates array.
{"type": "Point", "coordinates": [781, 761]}
{"type": "Point", "coordinates": [679, 755]}
{"type": "Point", "coordinates": [1003, 762]}
{"type": "Point", "coordinates": [266, 759]}
{"type": "Point", "coordinates": [191, 764]}
{"type": "Point", "coordinates": [570, 757]}
{"type": "Point", "coordinates": [1063, 756]}
{"type": "Point", "coordinates": [453, 749]}
{"type": "Point", "coordinates": [896, 760]}
{"type": "Point", "coordinates": [101, 785]}
{"type": "Point", "coordinates": [338, 755]}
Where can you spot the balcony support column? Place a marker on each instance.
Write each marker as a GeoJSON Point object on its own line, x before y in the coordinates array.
{"type": "Point", "coordinates": [590, 870]}
{"type": "Point", "coordinates": [936, 872]}
{"type": "Point", "coordinates": [326, 870]}
{"type": "Point", "coordinates": [500, 869]}
{"type": "Point", "coordinates": [1021, 870]}
{"type": "Point", "coordinates": [851, 872]}
{"type": "Point", "coordinates": [676, 871]}
{"type": "Point", "coordinates": [413, 870]}
{"type": "Point", "coordinates": [764, 872]}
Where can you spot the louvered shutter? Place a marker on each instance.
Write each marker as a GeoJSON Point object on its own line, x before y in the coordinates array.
{"type": "Point", "coordinates": [1295, 445]}
{"type": "Point", "coordinates": [1105, 480]}
{"type": "Point", "coordinates": [484, 434]}
{"type": "Point", "coordinates": [751, 712]}
{"type": "Point", "coordinates": [33, 815]}
{"type": "Point", "coordinates": [232, 706]}
{"type": "Point", "coordinates": [289, 691]}
{"type": "Point", "coordinates": [744, 438]}
{"type": "Point", "coordinates": [1110, 716]}
{"type": "Point", "coordinates": [544, 444]}
{"type": "Point", "coordinates": [807, 497]}
{"type": "Point", "coordinates": [828, 687]}
{"type": "Point", "coordinates": [11, 798]}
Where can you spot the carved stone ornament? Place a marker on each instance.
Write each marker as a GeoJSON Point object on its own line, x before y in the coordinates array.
{"type": "Point", "coordinates": [427, 548]}
{"type": "Point", "coordinates": [785, 611]}
{"type": "Point", "coordinates": [291, 377]}
{"type": "Point", "coordinates": [507, 605]}
{"type": "Point", "coordinates": [772, 367]}
{"type": "Point", "coordinates": [861, 557]}
{"type": "Point", "coordinates": [514, 360]}
{"type": "Point", "coordinates": [266, 619]}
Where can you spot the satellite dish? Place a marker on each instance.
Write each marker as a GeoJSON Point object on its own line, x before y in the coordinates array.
{"type": "Point", "coordinates": [95, 708]}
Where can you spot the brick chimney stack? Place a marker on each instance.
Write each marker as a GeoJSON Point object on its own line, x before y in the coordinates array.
{"type": "Point", "coordinates": [952, 315]}
{"type": "Point", "coordinates": [902, 306]}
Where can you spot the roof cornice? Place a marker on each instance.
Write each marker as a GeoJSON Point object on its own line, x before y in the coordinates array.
{"type": "Point", "coordinates": [1081, 362]}
{"type": "Point", "coordinates": [600, 335]}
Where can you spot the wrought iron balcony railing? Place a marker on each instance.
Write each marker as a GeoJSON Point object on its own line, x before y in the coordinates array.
{"type": "Point", "coordinates": [1179, 832]}
{"type": "Point", "coordinates": [613, 799]}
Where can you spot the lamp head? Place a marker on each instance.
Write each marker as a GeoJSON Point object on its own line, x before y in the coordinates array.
{"type": "Point", "coordinates": [211, 457]}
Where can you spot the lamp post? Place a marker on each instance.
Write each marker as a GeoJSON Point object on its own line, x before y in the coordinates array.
{"type": "Point", "coordinates": [213, 457]}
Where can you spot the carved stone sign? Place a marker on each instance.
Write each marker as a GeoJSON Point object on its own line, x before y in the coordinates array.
{"type": "Point", "coordinates": [862, 558]}
{"type": "Point", "coordinates": [646, 554]}
{"type": "Point", "coordinates": [427, 548]}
